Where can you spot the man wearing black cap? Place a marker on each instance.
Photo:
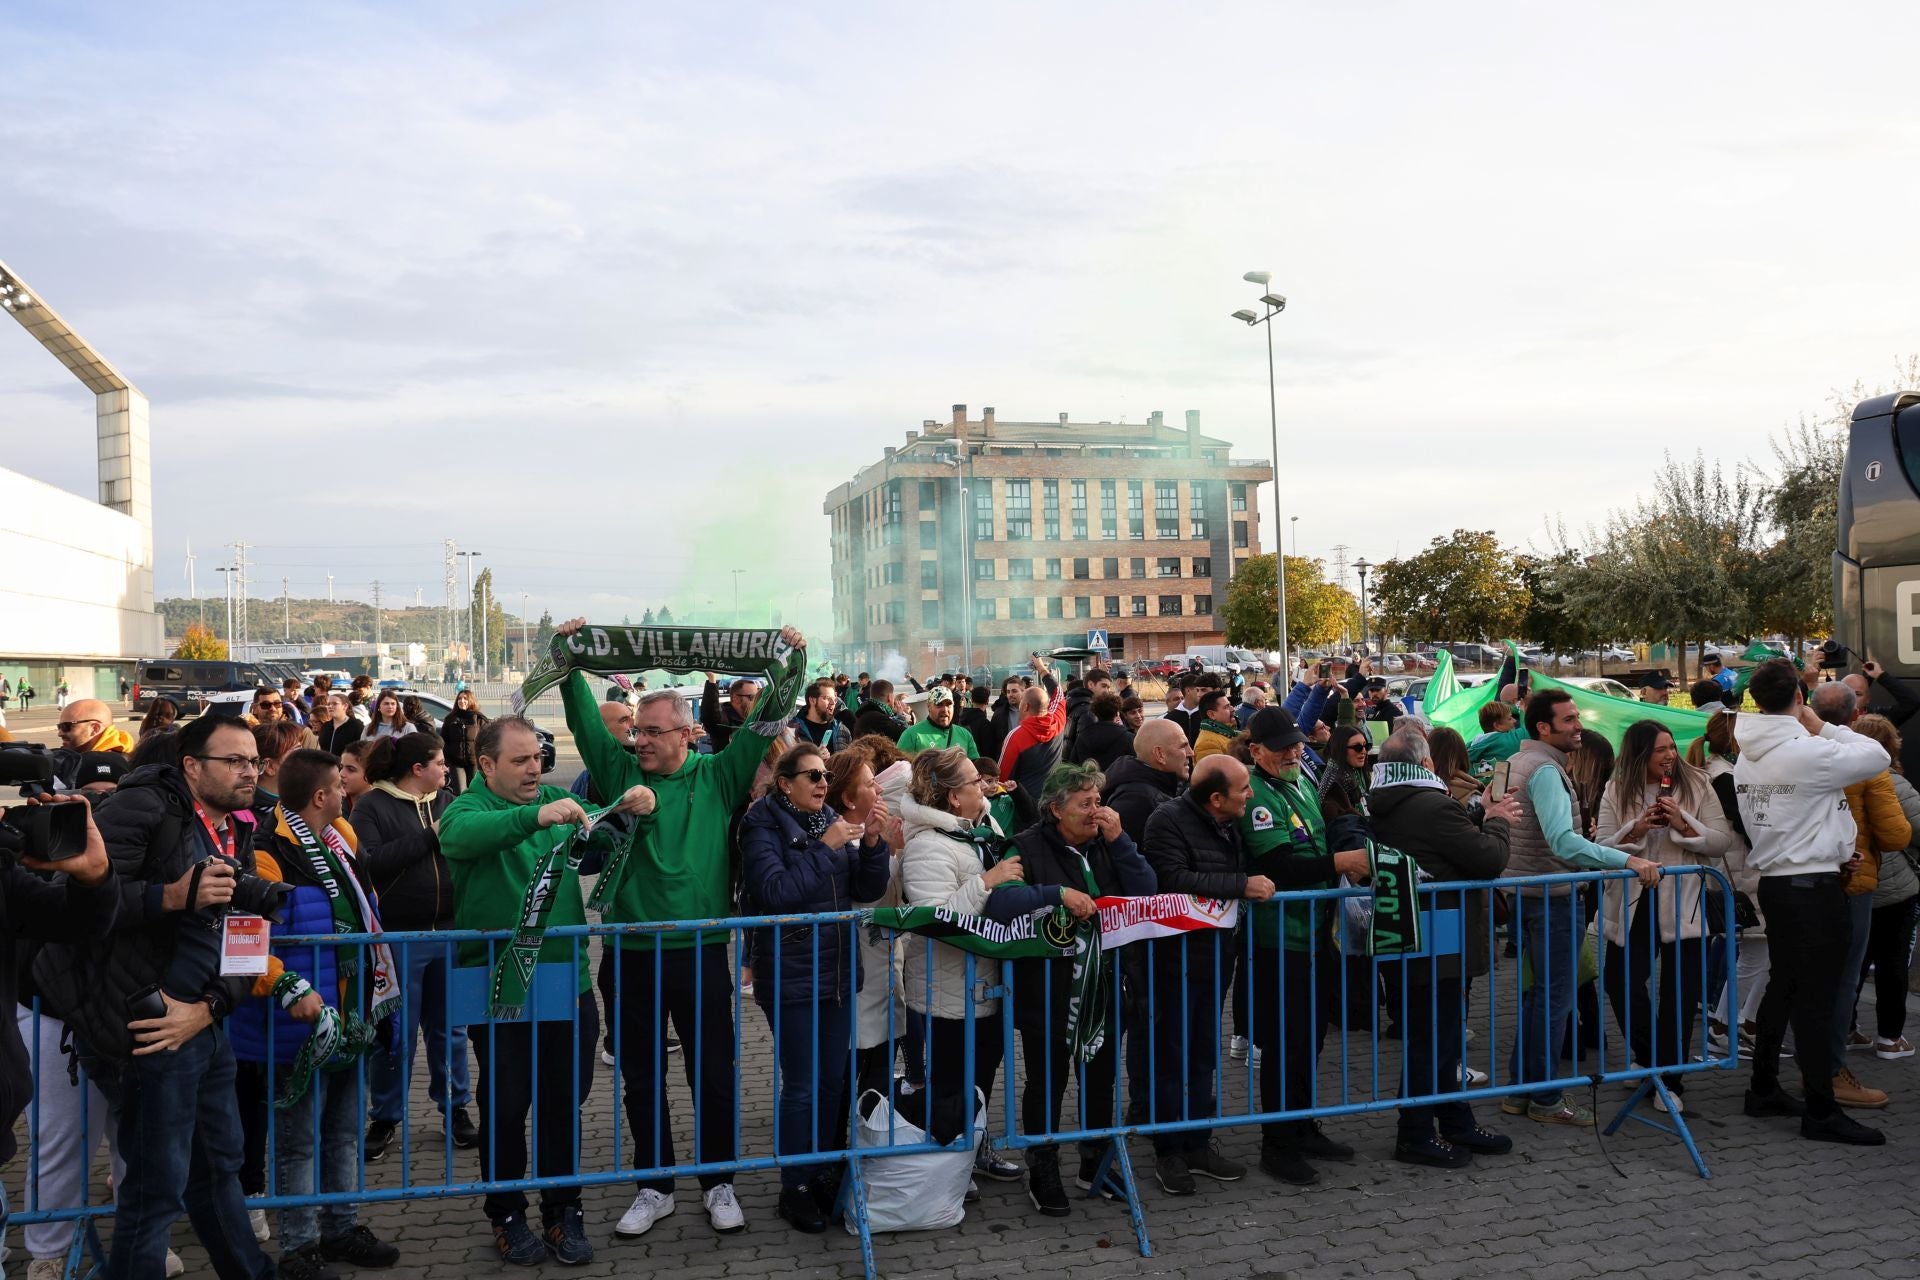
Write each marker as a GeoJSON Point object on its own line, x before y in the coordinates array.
{"type": "Point", "coordinates": [1713, 669]}
{"type": "Point", "coordinates": [99, 772]}
{"type": "Point", "coordinates": [1286, 841]}
{"type": "Point", "coordinates": [1654, 689]}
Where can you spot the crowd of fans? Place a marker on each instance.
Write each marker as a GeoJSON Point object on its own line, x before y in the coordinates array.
{"type": "Point", "coordinates": [327, 811]}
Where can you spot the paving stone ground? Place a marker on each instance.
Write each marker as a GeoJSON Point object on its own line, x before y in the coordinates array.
{"type": "Point", "coordinates": [1566, 1203]}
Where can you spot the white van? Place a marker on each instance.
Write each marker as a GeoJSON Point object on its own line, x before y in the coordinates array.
{"type": "Point", "coordinates": [1227, 657]}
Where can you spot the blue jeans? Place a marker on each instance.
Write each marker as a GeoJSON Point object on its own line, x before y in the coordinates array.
{"type": "Point", "coordinates": [812, 1110]}
{"type": "Point", "coordinates": [1860, 915]}
{"type": "Point", "coordinates": [179, 1130]}
{"type": "Point", "coordinates": [423, 986]}
{"type": "Point", "coordinates": [1190, 975]}
{"type": "Point", "coordinates": [335, 1095]}
{"type": "Point", "coordinates": [1550, 940]}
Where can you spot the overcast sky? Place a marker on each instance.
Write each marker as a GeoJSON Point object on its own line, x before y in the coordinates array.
{"type": "Point", "coordinates": [615, 294]}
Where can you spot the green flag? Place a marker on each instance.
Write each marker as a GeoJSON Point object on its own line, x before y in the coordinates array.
{"type": "Point", "coordinates": [1442, 684]}
{"type": "Point", "coordinates": [1599, 713]}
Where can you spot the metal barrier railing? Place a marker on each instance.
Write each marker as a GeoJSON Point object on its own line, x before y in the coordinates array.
{"type": "Point", "coordinates": [643, 978]}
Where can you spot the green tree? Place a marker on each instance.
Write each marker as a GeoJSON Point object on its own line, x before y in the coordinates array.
{"type": "Point", "coordinates": [1548, 621]}
{"type": "Point", "coordinates": [543, 632]}
{"type": "Point", "coordinates": [1317, 610]}
{"type": "Point", "coordinates": [664, 617]}
{"type": "Point", "coordinates": [1464, 586]}
{"type": "Point", "coordinates": [199, 642]}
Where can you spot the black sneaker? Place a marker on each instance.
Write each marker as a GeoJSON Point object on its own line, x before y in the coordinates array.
{"type": "Point", "coordinates": [1841, 1127]}
{"type": "Point", "coordinates": [798, 1207]}
{"type": "Point", "coordinates": [1482, 1142]}
{"type": "Point", "coordinates": [1045, 1189]}
{"type": "Point", "coordinates": [1432, 1152]}
{"type": "Point", "coordinates": [1773, 1101]}
{"type": "Point", "coordinates": [517, 1243]}
{"type": "Point", "coordinates": [825, 1189]}
{"type": "Point", "coordinates": [305, 1263]}
{"type": "Point", "coordinates": [1137, 1111]}
{"type": "Point", "coordinates": [1315, 1143]}
{"type": "Point", "coordinates": [1171, 1171]}
{"type": "Point", "coordinates": [379, 1134]}
{"type": "Point", "coordinates": [360, 1247]}
{"type": "Point", "coordinates": [1207, 1162]}
{"type": "Point", "coordinates": [465, 1132]}
{"type": "Point", "coordinates": [1288, 1166]}
{"type": "Point", "coordinates": [567, 1239]}
{"type": "Point", "coordinates": [1089, 1168]}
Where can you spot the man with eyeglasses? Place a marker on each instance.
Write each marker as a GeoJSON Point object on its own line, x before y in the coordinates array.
{"type": "Point", "coordinates": [679, 869]}
{"type": "Point", "coordinates": [146, 1008]}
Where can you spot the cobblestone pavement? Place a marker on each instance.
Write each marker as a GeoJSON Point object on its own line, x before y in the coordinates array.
{"type": "Point", "coordinates": [1566, 1203]}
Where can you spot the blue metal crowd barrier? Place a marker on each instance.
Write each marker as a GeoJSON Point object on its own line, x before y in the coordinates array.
{"type": "Point", "coordinates": [1368, 1076]}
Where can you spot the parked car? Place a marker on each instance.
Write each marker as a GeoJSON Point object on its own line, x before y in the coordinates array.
{"type": "Point", "coordinates": [1606, 685]}
{"type": "Point", "coordinates": [1477, 655]}
{"type": "Point", "coordinates": [435, 708]}
{"type": "Point", "coordinates": [188, 681]}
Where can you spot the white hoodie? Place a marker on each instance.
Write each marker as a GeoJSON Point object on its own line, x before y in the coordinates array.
{"type": "Point", "coordinates": [1791, 788]}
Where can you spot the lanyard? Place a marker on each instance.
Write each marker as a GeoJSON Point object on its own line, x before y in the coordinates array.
{"type": "Point", "coordinates": [214, 835]}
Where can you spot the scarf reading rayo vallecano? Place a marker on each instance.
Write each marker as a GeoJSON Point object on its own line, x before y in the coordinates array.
{"type": "Point", "coordinates": [513, 971]}
{"type": "Point", "coordinates": [780, 668]}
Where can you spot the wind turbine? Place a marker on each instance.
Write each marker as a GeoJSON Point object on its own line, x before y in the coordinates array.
{"type": "Point", "coordinates": [193, 592]}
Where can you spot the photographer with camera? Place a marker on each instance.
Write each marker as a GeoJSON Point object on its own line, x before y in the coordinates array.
{"type": "Point", "coordinates": [1897, 701]}
{"type": "Point", "coordinates": [146, 1005]}
{"type": "Point", "coordinates": [66, 898]}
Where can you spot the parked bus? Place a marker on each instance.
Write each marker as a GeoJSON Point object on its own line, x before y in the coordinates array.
{"type": "Point", "coordinates": [1876, 565]}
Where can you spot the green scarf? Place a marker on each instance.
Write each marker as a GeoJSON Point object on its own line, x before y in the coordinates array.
{"type": "Point", "coordinates": [1396, 903]}
{"type": "Point", "coordinates": [1223, 729]}
{"type": "Point", "coordinates": [335, 1043]}
{"type": "Point", "coordinates": [352, 913]}
{"type": "Point", "coordinates": [605, 650]}
{"type": "Point", "coordinates": [513, 971]}
{"type": "Point", "coordinates": [1044, 935]}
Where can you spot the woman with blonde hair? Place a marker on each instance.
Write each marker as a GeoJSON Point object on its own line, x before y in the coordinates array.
{"type": "Point", "coordinates": [1890, 937]}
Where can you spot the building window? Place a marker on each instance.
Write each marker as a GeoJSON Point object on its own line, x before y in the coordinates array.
{"type": "Point", "coordinates": [1202, 606]}
{"type": "Point", "coordinates": [1109, 512]}
{"type": "Point", "coordinates": [1138, 566]}
{"type": "Point", "coordinates": [1139, 606]}
{"type": "Point", "coordinates": [930, 613]}
{"type": "Point", "coordinates": [1020, 608]}
{"type": "Point", "coordinates": [1166, 508]}
{"type": "Point", "coordinates": [1169, 567]}
{"type": "Point", "coordinates": [1019, 510]}
{"type": "Point", "coordinates": [1050, 508]}
{"type": "Point", "coordinates": [1136, 509]}
{"type": "Point", "coordinates": [1170, 606]}
{"type": "Point", "coordinates": [983, 608]}
{"type": "Point", "coordinates": [889, 574]}
{"type": "Point", "coordinates": [1080, 510]}
{"type": "Point", "coordinates": [1053, 570]}
{"type": "Point", "coordinates": [1080, 567]}
{"type": "Point", "coordinates": [1113, 606]}
{"type": "Point", "coordinates": [890, 513]}
{"type": "Point", "coordinates": [1203, 566]}
{"type": "Point", "coordinates": [1117, 647]}
{"type": "Point", "coordinates": [983, 569]}
{"type": "Point", "coordinates": [1020, 570]}
{"type": "Point", "coordinates": [1110, 567]}
{"type": "Point", "coordinates": [926, 494]}
{"type": "Point", "coordinates": [983, 510]}
{"type": "Point", "coordinates": [1239, 493]}
{"type": "Point", "coordinates": [929, 575]}
{"type": "Point", "coordinates": [1083, 606]}
{"type": "Point", "coordinates": [1055, 607]}
{"type": "Point", "coordinates": [896, 611]}
{"type": "Point", "coordinates": [1240, 533]}
{"type": "Point", "coordinates": [1197, 510]}
{"type": "Point", "coordinates": [929, 536]}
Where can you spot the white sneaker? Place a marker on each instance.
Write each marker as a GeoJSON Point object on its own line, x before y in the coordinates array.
{"type": "Point", "coordinates": [175, 1267]}
{"type": "Point", "coordinates": [1237, 1048]}
{"type": "Point", "coordinates": [1471, 1079]}
{"type": "Point", "coordinates": [1898, 1047]}
{"type": "Point", "coordinates": [1660, 1103]}
{"type": "Point", "coordinates": [606, 1057]}
{"type": "Point", "coordinates": [723, 1210]}
{"type": "Point", "coordinates": [257, 1218]}
{"type": "Point", "coordinates": [648, 1208]}
{"type": "Point", "coordinates": [1466, 1035]}
{"type": "Point", "coordinates": [1254, 1055]}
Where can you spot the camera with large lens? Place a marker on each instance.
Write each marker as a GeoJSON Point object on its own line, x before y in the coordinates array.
{"type": "Point", "coordinates": [48, 832]}
{"type": "Point", "coordinates": [1834, 655]}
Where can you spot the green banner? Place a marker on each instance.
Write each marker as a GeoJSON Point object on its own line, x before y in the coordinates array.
{"type": "Point", "coordinates": [1442, 684]}
{"type": "Point", "coordinates": [1599, 713]}
{"type": "Point", "coordinates": [759, 652]}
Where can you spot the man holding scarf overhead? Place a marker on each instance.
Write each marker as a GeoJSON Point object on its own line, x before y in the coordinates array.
{"type": "Point", "coordinates": [679, 869]}
{"type": "Point", "coordinates": [513, 849]}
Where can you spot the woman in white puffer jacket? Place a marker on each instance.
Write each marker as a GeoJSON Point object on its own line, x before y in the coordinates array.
{"type": "Point", "coordinates": [945, 865]}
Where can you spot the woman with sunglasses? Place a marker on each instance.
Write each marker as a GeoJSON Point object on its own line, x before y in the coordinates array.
{"type": "Point", "coordinates": [798, 855]}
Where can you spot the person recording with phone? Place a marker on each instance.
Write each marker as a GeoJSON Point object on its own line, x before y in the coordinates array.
{"type": "Point", "coordinates": [1901, 705]}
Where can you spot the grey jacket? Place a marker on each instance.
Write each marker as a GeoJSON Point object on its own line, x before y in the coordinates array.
{"type": "Point", "coordinates": [1898, 878]}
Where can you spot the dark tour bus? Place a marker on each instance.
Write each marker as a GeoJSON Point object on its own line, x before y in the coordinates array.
{"type": "Point", "coordinates": [1876, 568]}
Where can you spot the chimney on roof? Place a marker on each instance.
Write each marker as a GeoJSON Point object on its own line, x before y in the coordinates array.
{"type": "Point", "coordinates": [1156, 419]}
{"type": "Point", "coordinates": [959, 416]}
{"type": "Point", "coordinates": [1063, 419]}
{"type": "Point", "coordinates": [912, 436]}
{"type": "Point", "coordinates": [986, 421]}
{"type": "Point", "coordinates": [1193, 433]}
{"type": "Point", "coordinates": [928, 424]}
{"type": "Point", "coordinates": [889, 451]}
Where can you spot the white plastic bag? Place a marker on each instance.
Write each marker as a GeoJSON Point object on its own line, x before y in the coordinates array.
{"type": "Point", "coordinates": [917, 1192]}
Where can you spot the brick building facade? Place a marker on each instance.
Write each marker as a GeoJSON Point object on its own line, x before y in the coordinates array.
{"type": "Point", "coordinates": [1064, 528]}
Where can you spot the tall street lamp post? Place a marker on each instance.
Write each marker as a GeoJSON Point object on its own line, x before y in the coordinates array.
{"type": "Point", "coordinates": [1272, 304]}
{"type": "Point", "coordinates": [1361, 566]}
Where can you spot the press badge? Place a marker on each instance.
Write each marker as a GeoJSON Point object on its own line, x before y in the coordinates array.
{"type": "Point", "coordinates": [243, 946]}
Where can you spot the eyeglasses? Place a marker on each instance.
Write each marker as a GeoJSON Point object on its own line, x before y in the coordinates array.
{"type": "Point", "coordinates": [269, 702]}
{"type": "Point", "coordinates": [811, 775]}
{"type": "Point", "coordinates": [1357, 746]}
{"type": "Point", "coordinates": [657, 734]}
{"type": "Point", "coordinates": [239, 764]}
{"type": "Point", "coordinates": [68, 726]}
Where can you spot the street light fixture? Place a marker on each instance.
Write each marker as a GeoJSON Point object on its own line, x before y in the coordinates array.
{"type": "Point", "coordinates": [1361, 566]}
{"type": "Point", "coordinates": [1274, 304]}
{"type": "Point", "coordinates": [471, 556]}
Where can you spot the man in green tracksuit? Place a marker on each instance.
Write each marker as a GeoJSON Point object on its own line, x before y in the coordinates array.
{"type": "Point", "coordinates": [679, 869]}
{"type": "Point", "coordinates": [938, 729]}
{"type": "Point", "coordinates": [493, 837]}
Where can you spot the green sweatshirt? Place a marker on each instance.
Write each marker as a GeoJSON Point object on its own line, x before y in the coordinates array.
{"type": "Point", "coordinates": [491, 846]}
{"type": "Point", "coordinates": [927, 734]}
{"type": "Point", "coordinates": [680, 867]}
{"type": "Point", "coordinates": [1282, 823]}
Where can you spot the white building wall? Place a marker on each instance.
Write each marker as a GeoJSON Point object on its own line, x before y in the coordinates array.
{"type": "Point", "coordinates": [75, 577]}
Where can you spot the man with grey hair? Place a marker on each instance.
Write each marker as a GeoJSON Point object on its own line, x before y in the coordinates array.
{"type": "Point", "coordinates": [1413, 811]}
{"type": "Point", "coordinates": [1880, 827]}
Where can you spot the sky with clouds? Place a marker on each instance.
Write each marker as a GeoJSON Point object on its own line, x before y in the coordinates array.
{"type": "Point", "coordinates": [615, 292]}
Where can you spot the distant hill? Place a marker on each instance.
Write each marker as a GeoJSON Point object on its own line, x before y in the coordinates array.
{"type": "Point", "coordinates": [314, 620]}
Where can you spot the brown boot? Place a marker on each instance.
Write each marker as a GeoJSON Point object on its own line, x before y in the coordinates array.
{"type": "Point", "coordinates": [1849, 1092]}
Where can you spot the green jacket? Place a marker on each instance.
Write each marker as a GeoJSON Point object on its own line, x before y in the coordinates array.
{"type": "Point", "coordinates": [680, 868]}
{"type": "Point", "coordinates": [1283, 825]}
{"type": "Point", "coordinates": [1488, 749]}
{"type": "Point", "coordinates": [926, 734]}
{"type": "Point", "coordinates": [491, 847]}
